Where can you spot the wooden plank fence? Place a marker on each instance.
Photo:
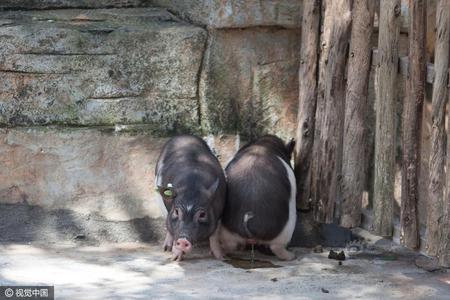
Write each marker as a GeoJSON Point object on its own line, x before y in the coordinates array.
{"type": "Point", "coordinates": [332, 162]}
{"type": "Point", "coordinates": [355, 160]}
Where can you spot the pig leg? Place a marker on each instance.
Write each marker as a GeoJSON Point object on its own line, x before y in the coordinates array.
{"type": "Point", "coordinates": [230, 241]}
{"type": "Point", "coordinates": [214, 244]}
{"type": "Point", "coordinates": [281, 252]}
{"type": "Point", "coordinates": [168, 242]}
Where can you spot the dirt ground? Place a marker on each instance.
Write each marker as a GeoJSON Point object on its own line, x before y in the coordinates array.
{"type": "Point", "coordinates": [86, 257]}
{"type": "Point", "coordinates": [144, 271]}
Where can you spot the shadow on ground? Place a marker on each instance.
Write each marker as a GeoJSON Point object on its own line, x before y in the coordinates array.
{"type": "Point", "coordinates": [21, 223]}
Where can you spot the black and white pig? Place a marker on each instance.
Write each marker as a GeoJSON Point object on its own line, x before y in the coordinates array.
{"type": "Point", "coordinates": [192, 186]}
{"type": "Point", "coordinates": [261, 205]}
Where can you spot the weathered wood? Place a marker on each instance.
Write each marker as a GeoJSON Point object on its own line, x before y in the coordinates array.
{"type": "Point", "coordinates": [444, 245]}
{"type": "Point", "coordinates": [430, 35]}
{"type": "Point", "coordinates": [444, 225]}
{"type": "Point", "coordinates": [330, 109]}
{"type": "Point", "coordinates": [403, 65]}
{"type": "Point", "coordinates": [307, 99]}
{"type": "Point", "coordinates": [354, 160]}
{"type": "Point", "coordinates": [438, 139]}
{"type": "Point", "coordinates": [412, 124]}
{"type": "Point", "coordinates": [385, 135]}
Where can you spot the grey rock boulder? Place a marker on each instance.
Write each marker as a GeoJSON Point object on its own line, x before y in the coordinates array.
{"type": "Point", "coordinates": [100, 67]}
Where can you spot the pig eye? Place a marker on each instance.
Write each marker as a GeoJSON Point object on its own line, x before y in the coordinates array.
{"type": "Point", "coordinates": [201, 217]}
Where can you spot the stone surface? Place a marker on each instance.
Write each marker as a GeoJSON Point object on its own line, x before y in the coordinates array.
{"type": "Point", "coordinates": [100, 67]}
{"type": "Point", "coordinates": [427, 263]}
{"type": "Point", "coordinates": [86, 170]}
{"type": "Point", "coordinates": [45, 4]}
{"type": "Point", "coordinates": [249, 85]}
{"type": "Point", "coordinates": [102, 171]}
{"type": "Point", "coordinates": [143, 271]}
{"type": "Point", "coordinates": [224, 146]}
{"type": "Point", "coordinates": [237, 14]}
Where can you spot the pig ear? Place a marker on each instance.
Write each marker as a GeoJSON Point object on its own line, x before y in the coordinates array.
{"type": "Point", "coordinates": [290, 147]}
{"type": "Point", "coordinates": [213, 188]}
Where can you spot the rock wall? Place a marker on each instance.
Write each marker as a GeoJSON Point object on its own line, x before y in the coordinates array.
{"type": "Point", "coordinates": [91, 91]}
{"type": "Point", "coordinates": [237, 13]}
{"type": "Point", "coordinates": [249, 81]}
{"type": "Point", "coordinates": [49, 4]}
{"type": "Point", "coordinates": [100, 67]}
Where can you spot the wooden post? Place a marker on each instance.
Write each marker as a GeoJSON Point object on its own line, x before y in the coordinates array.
{"type": "Point", "coordinates": [385, 135]}
{"type": "Point", "coordinates": [412, 124]}
{"type": "Point", "coordinates": [354, 161]}
{"type": "Point", "coordinates": [437, 155]}
{"type": "Point", "coordinates": [444, 235]}
{"type": "Point", "coordinates": [444, 245]}
{"type": "Point", "coordinates": [327, 160]}
{"type": "Point", "coordinates": [307, 99]}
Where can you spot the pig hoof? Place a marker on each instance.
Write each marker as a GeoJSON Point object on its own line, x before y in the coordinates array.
{"type": "Point", "coordinates": [168, 242]}
{"type": "Point", "coordinates": [177, 258]}
{"type": "Point", "coordinates": [289, 256]}
{"type": "Point", "coordinates": [282, 253]}
{"type": "Point", "coordinates": [177, 255]}
{"type": "Point", "coordinates": [217, 254]}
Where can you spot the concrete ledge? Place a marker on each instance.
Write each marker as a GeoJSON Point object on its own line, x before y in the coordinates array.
{"type": "Point", "coordinates": [86, 170]}
{"type": "Point", "coordinates": [98, 170]}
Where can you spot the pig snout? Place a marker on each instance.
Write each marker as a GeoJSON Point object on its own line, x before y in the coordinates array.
{"type": "Point", "coordinates": [184, 245]}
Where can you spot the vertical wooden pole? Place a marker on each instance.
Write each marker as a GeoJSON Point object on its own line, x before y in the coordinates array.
{"type": "Point", "coordinates": [330, 108]}
{"type": "Point", "coordinates": [444, 235]}
{"type": "Point", "coordinates": [444, 225]}
{"type": "Point", "coordinates": [412, 124]}
{"type": "Point", "coordinates": [307, 98]}
{"type": "Point", "coordinates": [354, 161]}
{"type": "Point", "coordinates": [438, 139]}
{"type": "Point", "coordinates": [385, 135]}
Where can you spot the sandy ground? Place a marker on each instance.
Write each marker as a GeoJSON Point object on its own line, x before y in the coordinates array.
{"type": "Point", "coordinates": [143, 271]}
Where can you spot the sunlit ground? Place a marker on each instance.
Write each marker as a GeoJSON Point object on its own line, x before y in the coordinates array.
{"type": "Point", "coordinates": [140, 271]}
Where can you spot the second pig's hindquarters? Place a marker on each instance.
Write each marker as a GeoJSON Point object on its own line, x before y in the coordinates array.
{"type": "Point", "coordinates": [261, 193]}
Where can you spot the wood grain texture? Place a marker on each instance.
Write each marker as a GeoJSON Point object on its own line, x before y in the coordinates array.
{"type": "Point", "coordinates": [329, 122]}
{"type": "Point", "coordinates": [307, 99]}
{"type": "Point", "coordinates": [385, 135]}
{"type": "Point", "coordinates": [411, 124]}
{"type": "Point", "coordinates": [355, 160]}
{"type": "Point", "coordinates": [438, 137]}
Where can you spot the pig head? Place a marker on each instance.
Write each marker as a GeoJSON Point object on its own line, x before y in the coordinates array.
{"type": "Point", "coordinates": [192, 186]}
